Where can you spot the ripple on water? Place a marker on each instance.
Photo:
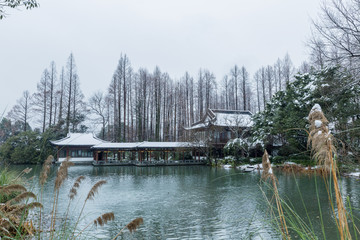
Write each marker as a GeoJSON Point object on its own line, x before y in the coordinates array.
{"type": "Point", "coordinates": [194, 202]}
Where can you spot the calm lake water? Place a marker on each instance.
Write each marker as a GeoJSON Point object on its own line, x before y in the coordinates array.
{"type": "Point", "coordinates": [191, 202]}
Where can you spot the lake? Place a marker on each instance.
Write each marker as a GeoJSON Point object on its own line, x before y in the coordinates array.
{"type": "Point", "coordinates": [191, 202]}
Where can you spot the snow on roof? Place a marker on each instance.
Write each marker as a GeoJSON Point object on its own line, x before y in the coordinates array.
{"type": "Point", "coordinates": [233, 119]}
{"type": "Point", "coordinates": [165, 145]}
{"type": "Point", "coordinates": [197, 126]}
{"type": "Point", "coordinates": [128, 145]}
{"type": "Point", "coordinates": [78, 139]}
{"type": "Point", "coordinates": [224, 118]}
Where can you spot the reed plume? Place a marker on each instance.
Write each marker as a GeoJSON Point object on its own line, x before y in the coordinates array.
{"type": "Point", "coordinates": [61, 175]}
{"type": "Point", "coordinates": [132, 226]}
{"type": "Point", "coordinates": [72, 194]}
{"type": "Point", "coordinates": [73, 190]}
{"type": "Point", "coordinates": [268, 174]}
{"type": "Point", "coordinates": [94, 190]}
{"type": "Point", "coordinates": [12, 188]}
{"type": "Point", "coordinates": [103, 219]}
{"type": "Point", "coordinates": [324, 152]}
{"type": "Point", "coordinates": [20, 197]}
{"type": "Point", "coordinates": [42, 179]}
{"type": "Point", "coordinates": [45, 170]}
{"type": "Point", "coordinates": [26, 207]}
{"type": "Point", "coordinates": [90, 196]}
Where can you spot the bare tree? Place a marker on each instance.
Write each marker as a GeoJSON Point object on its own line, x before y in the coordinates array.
{"type": "Point", "coordinates": [244, 85]}
{"type": "Point", "coordinates": [98, 106]}
{"type": "Point", "coordinates": [71, 72]}
{"type": "Point", "coordinates": [41, 99]}
{"type": "Point", "coordinates": [338, 28]}
{"type": "Point", "coordinates": [52, 90]}
{"type": "Point", "coordinates": [22, 110]}
{"type": "Point", "coordinates": [235, 75]}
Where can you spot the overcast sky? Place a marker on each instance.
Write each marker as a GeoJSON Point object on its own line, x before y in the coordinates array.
{"type": "Point", "coordinates": [176, 35]}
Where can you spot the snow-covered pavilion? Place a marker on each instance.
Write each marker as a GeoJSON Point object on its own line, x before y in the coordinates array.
{"type": "Point", "coordinates": [85, 148]}
{"type": "Point", "coordinates": [77, 146]}
{"type": "Point", "coordinates": [145, 151]}
{"type": "Point", "coordinates": [218, 126]}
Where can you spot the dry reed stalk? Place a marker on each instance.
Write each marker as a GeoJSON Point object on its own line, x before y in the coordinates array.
{"type": "Point", "coordinates": [268, 174]}
{"type": "Point", "coordinates": [323, 150]}
{"type": "Point", "coordinates": [72, 194]}
{"type": "Point", "coordinates": [132, 226]}
{"type": "Point", "coordinates": [101, 220]}
{"type": "Point", "coordinates": [12, 188]}
{"type": "Point", "coordinates": [20, 197]}
{"type": "Point", "coordinates": [45, 170]}
{"type": "Point", "coordinates": [73, 190]}
{"type": "Point", "coordinates": [43, 177]}
{"type": "Point", "coordinates": [22, 173]}
{"type": "Point", "coordinates": [26, 207]}
{"type": "Point", "coordinates": [61, 175]}
{"type": "Point", "coordinates": [95, 189]}
{"type": "Point", "coordinates": [90, 196]}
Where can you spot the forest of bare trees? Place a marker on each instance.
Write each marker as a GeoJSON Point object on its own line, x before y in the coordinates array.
{"type": "Point", "coordinates": [144, 105]}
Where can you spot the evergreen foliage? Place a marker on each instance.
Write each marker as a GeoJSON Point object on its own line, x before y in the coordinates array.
{"type": "Point", "coordinates": [283, 122]}
{"type": "Point", "coordinates": [30, 147]}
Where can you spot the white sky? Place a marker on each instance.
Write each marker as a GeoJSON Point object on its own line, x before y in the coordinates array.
{"type": "Point", "coordinates": [176, 35]}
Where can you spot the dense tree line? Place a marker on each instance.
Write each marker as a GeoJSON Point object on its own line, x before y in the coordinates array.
{"type": "Point", "coordinates": [283, 123]}
{"type": "Point", "coordinates": [140, 105]}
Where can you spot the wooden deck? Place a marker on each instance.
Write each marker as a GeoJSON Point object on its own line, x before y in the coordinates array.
{"type": "Point", "coordinates": [149, 163]}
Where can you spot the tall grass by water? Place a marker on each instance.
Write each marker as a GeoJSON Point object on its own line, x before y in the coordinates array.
{"type": "Point", "coordinates": [18, 207]}
{"type": "Point", "coordinates": [324, 152]}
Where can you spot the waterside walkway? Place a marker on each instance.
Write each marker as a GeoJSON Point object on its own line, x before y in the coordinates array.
{"type": "Point", "coordinates": [150, 163]}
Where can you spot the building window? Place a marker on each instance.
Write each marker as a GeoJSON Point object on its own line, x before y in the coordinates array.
{"type": "Point", "coordinates": [81, 153]}
{"type": "Point", "coordinates": [62, 153]}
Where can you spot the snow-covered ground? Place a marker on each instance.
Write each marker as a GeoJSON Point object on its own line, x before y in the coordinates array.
{"type": "Point", "coordinates": [354, 174]}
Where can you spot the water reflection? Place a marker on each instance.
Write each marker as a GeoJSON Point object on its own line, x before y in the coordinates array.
{"type": "Point", "coordinates": [194, 202]}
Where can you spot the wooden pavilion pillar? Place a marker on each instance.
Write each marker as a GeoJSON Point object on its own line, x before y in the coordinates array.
{"type": "Point", "coordinates": [67, 152]}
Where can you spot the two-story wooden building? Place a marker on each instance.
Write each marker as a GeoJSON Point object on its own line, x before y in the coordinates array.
{"type": "Point", "coordinates": [217, 127]}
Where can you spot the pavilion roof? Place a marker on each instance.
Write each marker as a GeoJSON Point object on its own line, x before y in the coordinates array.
{"type": "Point", "coordinates": [224, 118]}
{"type": "Point", "coordinates": [78, 139]}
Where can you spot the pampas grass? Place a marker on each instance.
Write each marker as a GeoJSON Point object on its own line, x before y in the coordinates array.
{"type": "Point", "coordinates": [13, 213]}
{"type": "Point", "coordinates": [90, 196]}
{"type": "Point", "coordinates": [268, 174]}
{"type": "Point", "coordinates": [73, 190]}
{"type": "Point", "coordinates": [132, 226]}
{"type": "Point", "coordinates": [61, 175]}
{"type": "Point", "coordinates": [21, 197]}
{"type": "Point", "coordinates": [12, 188]}
{"type": "Point", "coordinates": [324, 152]}
{"type": "Point", "coordinates": [103, 219]}
{"type": "Point", "coordinates": [45, 170]}
{"type": "Point", "coordinates": [95, 189]}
